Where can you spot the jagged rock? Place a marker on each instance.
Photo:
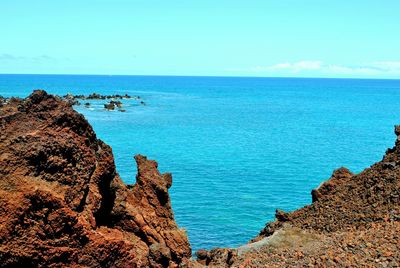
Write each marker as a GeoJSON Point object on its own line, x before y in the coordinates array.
{"type": "Point", "coordinates": [69, 96]}
{"type": "Point", "coordinates": [219, 257]}
{"type": "Point", "coordinates": [118, 104]}
{"type": "Point", "coordinates": [2, 101]}
{"type": "Point", "coordinates": [281, 215]}
{"type": "Point", "coordinates": [350, 200]}
{"type": "Point", "coordinates": [109, 106]}
{"type": "Point", "coordinates": [353, 221]}
{"type": "Point", "coordinates": [338, 177]}
{"type": "Point", "coordinates": [96, 96]}
{"type": "Point", "coordinates": [62, 202]}
{"type": "Point", "coordinates": [112, 104]}
{"type": "Point", "coordinates": [202, 254]}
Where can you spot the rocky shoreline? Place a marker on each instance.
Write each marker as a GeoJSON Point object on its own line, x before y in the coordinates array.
{"type": "Point", "coordinates": [113, 101]}
{"type": "Point", "coordinates": [62, 203]}
{"type": "Point", "coordinates": [353, 221]}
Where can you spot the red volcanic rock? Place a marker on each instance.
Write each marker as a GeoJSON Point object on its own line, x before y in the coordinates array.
{"type": "Point", "coordinates": [354, 221]}
{"type": "Point", "coordinates": [281, 215]}
{"type": "Point", "coordinates": [339, 176]}
{"type": "Point", "coordinates": [62, 202]}
{"type": "Point", "coordinates": [349, 200]}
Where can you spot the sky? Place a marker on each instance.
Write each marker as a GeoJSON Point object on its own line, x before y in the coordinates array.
{"type": "Point", "coordinates": [281, 38]}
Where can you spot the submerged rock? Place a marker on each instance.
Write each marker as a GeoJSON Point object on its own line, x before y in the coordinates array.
{"type": "Point", "coordinates": [109, 106]}
{"type": "Point", "coordinates": [62, 202]}
{"type": "Point", "coordinates": [117, 103]}
{"type": "Point", "coordinates": [112, 105]}
{"type": "Point", "coordinates": [97, 96]}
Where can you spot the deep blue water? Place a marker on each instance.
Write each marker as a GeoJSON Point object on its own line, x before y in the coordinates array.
{"type": "Point", "coordinates": [238, 148]}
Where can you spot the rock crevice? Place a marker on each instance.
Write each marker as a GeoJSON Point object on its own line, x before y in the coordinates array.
{"type": "Point", "coordinates": [62, 201]}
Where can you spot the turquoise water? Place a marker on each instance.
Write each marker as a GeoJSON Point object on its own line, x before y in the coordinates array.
{"type": "Point", "coordinates": [238, 148]}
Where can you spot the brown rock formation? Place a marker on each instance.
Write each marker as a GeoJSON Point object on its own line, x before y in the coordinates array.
{"type": "Point", "coordinates": [339, 176]}
{"type": "Point", "coordinates": [354, 221]}
{"type": "Point", "coordinates": [347, 200]}
{"type": "Point", "coordinates": [62, 202]}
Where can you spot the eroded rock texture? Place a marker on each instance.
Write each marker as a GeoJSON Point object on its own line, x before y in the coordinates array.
{"type": "Point", "coordinates": [62, 202]}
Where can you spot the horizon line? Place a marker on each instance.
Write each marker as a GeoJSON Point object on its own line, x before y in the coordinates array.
{"type": "Point", "coordinates": [211, 76]}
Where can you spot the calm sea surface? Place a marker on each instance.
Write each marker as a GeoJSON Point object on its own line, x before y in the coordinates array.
{"type": "Point", "coordinates": [238, 148]}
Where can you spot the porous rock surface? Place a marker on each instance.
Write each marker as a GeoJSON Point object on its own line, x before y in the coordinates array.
{"type": "Point", "coordinates": [62, 202]}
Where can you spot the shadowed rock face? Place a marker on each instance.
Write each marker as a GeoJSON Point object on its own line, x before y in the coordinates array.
{"type": "Point", "coordinates": [63, 203]}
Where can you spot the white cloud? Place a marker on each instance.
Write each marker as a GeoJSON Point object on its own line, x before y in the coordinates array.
{"type": "Point", "coordinates": [372, 68]}
{"type": "Point", "coordinates": [340, 69]}
{"type": "Point", "coordinates": [387, 66]}
{"type": "Point", "coordinates": [292, 67]}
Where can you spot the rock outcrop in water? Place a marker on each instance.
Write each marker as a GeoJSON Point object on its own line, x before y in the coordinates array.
{"type": "Point", "coordinates": [354, 221]}
{"type": "Point", "coordinates": [62, 202]}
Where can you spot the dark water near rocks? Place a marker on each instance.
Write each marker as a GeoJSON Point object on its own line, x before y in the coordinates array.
{"type": "Point", "coordinates": [237, 147]}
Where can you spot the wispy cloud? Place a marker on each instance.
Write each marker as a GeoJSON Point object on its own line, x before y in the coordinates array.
{"type": "Point", "coordinates": [292, 67]}
{"type": "Point", "coordinates": [11, 57]}
{"type": "Point", "coordinates": [371, 68]}
{"type": "Point", "coordinates": [387, 66]}
{"type": "Point", "coordinates": [341, 69]}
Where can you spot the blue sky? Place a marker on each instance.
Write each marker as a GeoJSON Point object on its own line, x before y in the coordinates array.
{"type": "Point", "coordinates": [307, 38]}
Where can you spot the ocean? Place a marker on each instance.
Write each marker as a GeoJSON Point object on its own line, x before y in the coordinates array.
{"type": "Point", "coordinates": [238, 148]}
